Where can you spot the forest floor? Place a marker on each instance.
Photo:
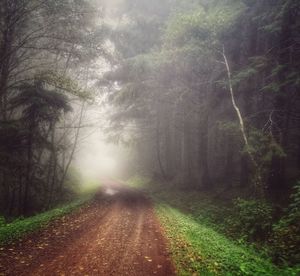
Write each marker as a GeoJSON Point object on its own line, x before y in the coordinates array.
{"type": "Point", "coordinates": [116, 234]}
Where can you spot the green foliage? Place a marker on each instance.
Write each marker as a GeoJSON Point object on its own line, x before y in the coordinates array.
{"type": "Point", "coordinates": [39, 103]}
{"type": "Point", "coordinates": [72, 186]}
{"type": "Point", "coordinates": [286, 233]}
{"type": "Point", "coordinates": [262, 145]}
{"type": "Point", "coordinates": [252, 219]}
{"type": "Point", "coordinates": [199, 249]}
{"type": "Point", "coordinates": [229, 128]}
{"type": "Point", "coordinates": [63, 83]}
{"type": "Point", "coordinates": [201, 26]}
{"type": "Point", "coordinates": [185, 27]}
{"type": "Point", "coordinates": [89, 186]}
{"type": "Point", "coordinates": [264, 148]}
{"type": "Point", "coordinates": [294, 208]}
{"type": "Point", "coordinates": [2, 221]}
{"type": "Point", "coordinates": [243, 75]}
{"type": "Point", "coordinates": [138, 181]}
{"type": "Point", "coordinates": [272, 87]}
{"type": "Point", "coordinates": [20, 227]}
{"type": "Point", "coordinates": [250, 223]}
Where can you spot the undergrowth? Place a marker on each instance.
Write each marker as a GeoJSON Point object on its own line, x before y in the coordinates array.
{"type": "Point", "coordinates": [199, 250]}
{"type": "Point", "coordinates": [247, 224]}
{"type": "Point", "coordinates": [22, 226]}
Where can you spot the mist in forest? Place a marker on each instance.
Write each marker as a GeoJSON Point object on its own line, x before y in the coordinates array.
{"type": "Point", "coordinates": [192, 101]}
{"type": "Point", "coordinates": [97, 158]}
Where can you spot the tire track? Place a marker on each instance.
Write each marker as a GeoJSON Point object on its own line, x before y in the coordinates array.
{"type": "Point", "coordinates": [117, 235]}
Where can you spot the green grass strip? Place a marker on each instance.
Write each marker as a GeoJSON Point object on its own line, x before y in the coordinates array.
{"type": "Point", "coordinates": [21, 227]}
{"type": "Point", "coordinates": [199, 250]}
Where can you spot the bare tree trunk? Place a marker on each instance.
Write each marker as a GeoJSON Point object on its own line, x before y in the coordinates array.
{"type": "Point", "coordinates": [258, 185]}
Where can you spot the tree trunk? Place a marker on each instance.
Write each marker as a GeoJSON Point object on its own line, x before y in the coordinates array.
{"type": "Point", "coordinates": [158, 154]}
{"type": "Point", "coordinates": [281, 118]}
{"type": "Point", "coordinates": [168, 147]}
{"type": "Point", "coordinates": [206, 182]}
{"type": "Point", "coordinates": [66, 169]}
{"type": "Point", "coordinates": [53, 161]}
{"type": "Point", "coordinates": [5, 58]}
{"type": "Point", "coordinates": [257, 181]}
{"type": "Point", "coordinates": [20, 192]}
{"type": "Point", "coordinates": [187, 144]}
{"type": "Point", "coordinates": [29, 167]}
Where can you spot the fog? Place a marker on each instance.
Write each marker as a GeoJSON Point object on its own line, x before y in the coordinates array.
{"type": "Point", "coordinates": [96, 158]}
{"type": "Point", "coordinates": [170, 90]}
{"type": "Point", "coordinates": [162, 89]}
{"type": "Point", "coordinates": [161, 122]}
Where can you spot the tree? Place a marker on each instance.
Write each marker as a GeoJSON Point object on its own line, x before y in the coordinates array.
{"type": "Point", "coordinates": [50, 43]}
{"type": "Point", "coordinates": [178, 83]}
{"type": "Point", "coordinates": [39, 107]}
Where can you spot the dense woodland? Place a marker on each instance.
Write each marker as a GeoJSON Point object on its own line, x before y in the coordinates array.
{"type": "Point", "coordinates": [47, 52]}
{"type": "Point", "coordinates": [204, 93]}
{"type": "Point", "coordinates": [207, 95]}
{"type": "Point", "coordinates": [193, 118]}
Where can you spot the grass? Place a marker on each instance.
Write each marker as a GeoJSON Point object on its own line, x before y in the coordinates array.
{"type": "Point", "coordinates": [200, 250]}
{"type": "Point", "coordinates": [21, 227]}
{"type": "Point", "coordinates": [195, 224]}
{"type": "Point", "coordinates": [138, 182]}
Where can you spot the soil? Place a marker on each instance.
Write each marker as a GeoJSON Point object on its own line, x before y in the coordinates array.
{"type": "Point", "coordinates": [115, 234]}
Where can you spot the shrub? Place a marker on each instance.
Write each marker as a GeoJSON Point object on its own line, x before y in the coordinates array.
{"type": "Point", "coordinates": [2, 221]}
{"type": "Point", "coordinates": [285, 240]}
{"type": "Point", "coordinates": [251, 220]}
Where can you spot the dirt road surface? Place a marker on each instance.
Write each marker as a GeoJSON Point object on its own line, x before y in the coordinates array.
{"type": "Point", "coordinates": [116, 234]}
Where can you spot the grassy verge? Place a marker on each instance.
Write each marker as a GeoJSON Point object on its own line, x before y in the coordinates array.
{"type": "Point", "coordinates": [198, 229]}
{"type": "Point", "coordinates": [200, 250]}
{"type": "Point", "coordinates": [19, 228]}
{"type": "Point", "coordinates": [138, 182]}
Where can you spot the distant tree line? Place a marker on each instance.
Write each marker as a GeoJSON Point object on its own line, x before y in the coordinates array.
{"type": "Point", "coordinates": [207, 92]}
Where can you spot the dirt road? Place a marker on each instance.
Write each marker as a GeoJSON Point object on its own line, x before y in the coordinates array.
{"type": "Point", "coordinates": [116, 234]}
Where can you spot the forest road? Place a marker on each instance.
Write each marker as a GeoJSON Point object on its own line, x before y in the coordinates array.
{"type": "Point", "coordinates": [116, 234]}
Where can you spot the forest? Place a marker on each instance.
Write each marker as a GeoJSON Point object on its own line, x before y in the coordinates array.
{"type": "Point", "coordinates": [201, 97]}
